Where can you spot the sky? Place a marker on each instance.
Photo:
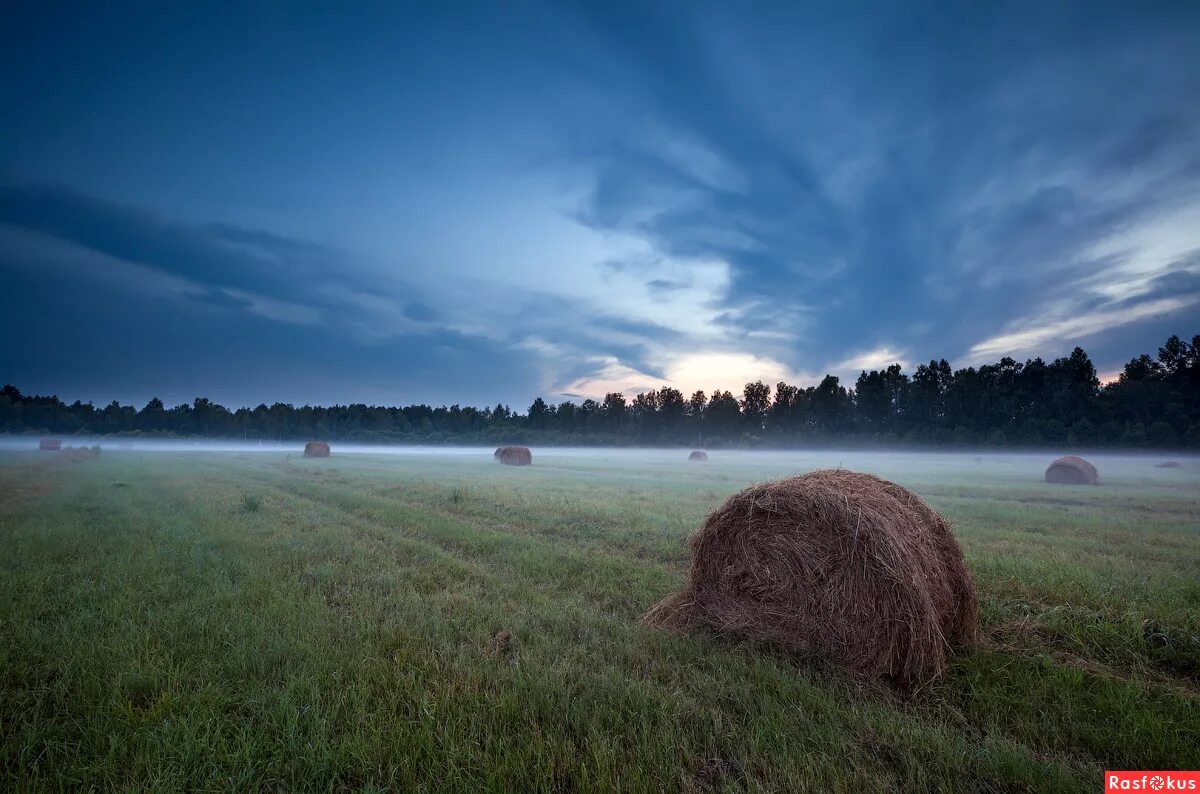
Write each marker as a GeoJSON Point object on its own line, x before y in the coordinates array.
{"type": "Point", "coordinates": [476, 203]}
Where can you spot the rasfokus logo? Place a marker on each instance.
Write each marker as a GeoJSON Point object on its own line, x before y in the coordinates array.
{"type": "Point", "coordinates": [1152, 781]}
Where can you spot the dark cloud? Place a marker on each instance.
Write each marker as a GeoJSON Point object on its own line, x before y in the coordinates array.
{"type": "Point", "coordinates": [98, 341]}
{"type": "Point", "coordinates": [985, 156]}
{"type": "Point", "coordinates": [84, 336]}
{"type": "Point", "coordinates": [217, 258]}
{"type": "Point", "coordinates": [1182, 282]}
{"type": "Point", "coordinates": [218, 255]}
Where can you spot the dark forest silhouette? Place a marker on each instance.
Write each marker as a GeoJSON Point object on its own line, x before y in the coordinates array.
{"type": "Point", "coordinates": [1155, 403]}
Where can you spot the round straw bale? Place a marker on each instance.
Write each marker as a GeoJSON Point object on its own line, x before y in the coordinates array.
{"type": "Point", "coordinates": [514, 456]}
{"type": "Point", "coordinates": [1167, 464]}
{"type": "Point", "coordinates": [832, 563]}
{"type": "Point", "coordinates": [316, 449]}
{"type": "Point", "coordinates": [1072, 471]}
{"type": "Point", "coordinates": [698, 455]}
{"type": "Point", "coordinates": [50, 444]}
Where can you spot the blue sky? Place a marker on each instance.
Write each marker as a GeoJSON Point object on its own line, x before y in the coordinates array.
{"type": "Point", "coordinates": [471, 203]}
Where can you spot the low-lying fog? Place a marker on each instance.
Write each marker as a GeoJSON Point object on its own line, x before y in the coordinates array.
{"type": "Point", "coordinates": [891, 463]}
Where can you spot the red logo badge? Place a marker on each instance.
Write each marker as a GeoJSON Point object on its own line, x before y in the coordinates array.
{"type": "Point", "coordinates": [1152, 781]}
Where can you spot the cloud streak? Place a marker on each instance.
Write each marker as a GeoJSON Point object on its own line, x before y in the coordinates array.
{"type": "Point", "coordinates": [1037, 338]}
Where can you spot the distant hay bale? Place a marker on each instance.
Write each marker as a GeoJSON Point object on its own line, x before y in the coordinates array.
{"type": "Point", "coordinates": [698, 455]}
{"type": "Point", "coordinates": [1167, 464]}
{"type": "Point", "coordinates": [1071, 470]}
{"type": "Point", "coordinates": [79, 454]}
{"type": "Point", "coordinates": [50, 444]}
{"type": "Point", "coordinates": [833, 563]}
{"type": "Point", "coordinates": [514, 456]}
{"type": "Point", "coordinates": [316, 449]}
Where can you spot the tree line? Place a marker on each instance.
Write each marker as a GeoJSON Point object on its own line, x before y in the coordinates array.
{"type": "Point", "coordinates": [1154, 403]}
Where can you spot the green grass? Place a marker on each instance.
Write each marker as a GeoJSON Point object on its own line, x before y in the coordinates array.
{"type": "Point", "coordinates": [233, 621]}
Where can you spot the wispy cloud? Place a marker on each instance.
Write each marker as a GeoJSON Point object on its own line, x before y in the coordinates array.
{"type": "Point", "coordinates": [878, 358]}
{"type": "Point", "coordinates": [1055, 335]}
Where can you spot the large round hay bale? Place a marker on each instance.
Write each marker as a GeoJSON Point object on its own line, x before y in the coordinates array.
{"type": "Point", "coordinates": [698, 455]}
{"type": "Point", "coordinates": [316, 449]}
{"type": "Point", "coordinates": [514, 456]}
{"type": "Point", "coordinates": [1072, 471]}
{"type": "Point", "coordinates": [833, 563]}
{"type": "Point", "coordinates": [1167, 464]}
{"type": "Point", "coordinates": [50, 444]}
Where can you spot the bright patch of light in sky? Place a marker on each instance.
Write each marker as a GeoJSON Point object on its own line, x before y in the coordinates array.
{"type": "Point", "coordinates": [689, 373]}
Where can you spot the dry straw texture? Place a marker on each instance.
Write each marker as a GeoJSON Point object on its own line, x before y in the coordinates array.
{"type": "Point", "coordinates": [1072, 471]}
{"type": "Point", "coordinates": [833, 563]}
{"type": "Point", "coordinates": [514, 456]}
{"type": "Point", "coordinates": [316, 449]}
{"type": "Point", "coordinates": [699, 455]}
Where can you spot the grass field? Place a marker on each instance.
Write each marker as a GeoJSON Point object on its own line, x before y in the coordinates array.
{"type": "Point", "coordinates": [435, 621]}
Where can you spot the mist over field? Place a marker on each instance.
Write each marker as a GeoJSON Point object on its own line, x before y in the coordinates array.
{"type": "Point", "coordinates": [905, 466]}
{"type": "Point", "coordinates": [888, 463]}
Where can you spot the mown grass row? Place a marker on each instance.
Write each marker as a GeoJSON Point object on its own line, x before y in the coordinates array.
{"type": "Point", "coordinates": [246, 622]}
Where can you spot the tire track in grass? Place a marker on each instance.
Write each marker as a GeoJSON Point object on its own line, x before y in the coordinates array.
{"type": "Point", "coordinates": [195, 521]}
{"type": "Point", "coordinates": [522, 553]}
